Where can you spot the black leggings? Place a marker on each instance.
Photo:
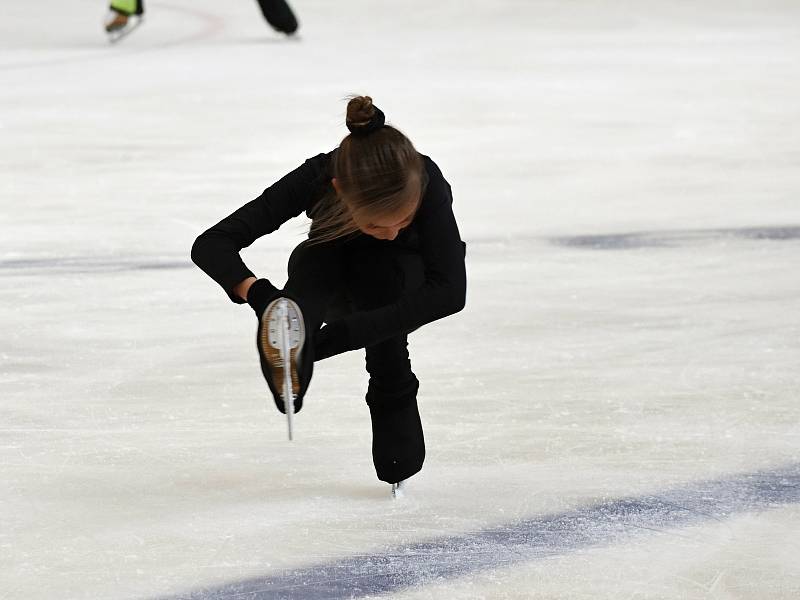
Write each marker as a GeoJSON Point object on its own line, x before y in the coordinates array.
{"type": "Point", "coordinates": [334, 278]}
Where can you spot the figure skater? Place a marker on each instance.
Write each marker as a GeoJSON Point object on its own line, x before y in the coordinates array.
{"type": "Point", "coordinates": [383, 257]}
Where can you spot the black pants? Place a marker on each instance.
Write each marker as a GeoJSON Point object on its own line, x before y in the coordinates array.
{"type": "Point", "coordinates": [331, 279]}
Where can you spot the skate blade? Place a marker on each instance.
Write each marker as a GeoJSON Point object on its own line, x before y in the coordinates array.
{"type": "Point", "coordinates": [288, 361]}
{"type": "Point", "coordinates": [399, 489]}
{"type": "Point", "coordinates": [296, 327]}
{"type": "Point", "coordinates": [272, 342]}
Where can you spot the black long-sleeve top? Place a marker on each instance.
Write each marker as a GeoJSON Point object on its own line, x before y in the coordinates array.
{"type": "Point", "coordinates": [433, 233]}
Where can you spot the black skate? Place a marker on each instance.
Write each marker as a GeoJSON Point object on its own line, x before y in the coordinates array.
{"type": "Point", "coordinates": [279, 15]}
{"type": "Point", "coordinates": [398, 443]}
{"type": "Point", "coordinates": [285, 358]}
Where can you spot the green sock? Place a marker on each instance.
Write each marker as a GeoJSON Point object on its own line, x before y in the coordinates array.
{"type": "Point", "coordinates": [127, 7]}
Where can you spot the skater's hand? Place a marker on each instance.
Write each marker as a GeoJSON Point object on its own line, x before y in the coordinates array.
{"type": "Point", "coordinates": [260, 294]}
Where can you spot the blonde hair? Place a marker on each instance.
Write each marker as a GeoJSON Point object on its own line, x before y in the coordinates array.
{"type": "Point", "coordinates": [376, 170]}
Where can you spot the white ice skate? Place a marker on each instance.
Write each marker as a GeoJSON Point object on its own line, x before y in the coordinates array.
{"type": "Point", "coordinates": [119, 25]}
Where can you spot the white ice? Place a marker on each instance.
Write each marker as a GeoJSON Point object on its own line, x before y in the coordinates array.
{"type": "Point", "coordinates": [140, 455]}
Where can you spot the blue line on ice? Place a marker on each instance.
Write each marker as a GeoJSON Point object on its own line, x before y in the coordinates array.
{"type": "Point", "coordinates": [680, 237]}
{"type": "Point", "coordinates": [454, 556]}
{"type": "Point", "coordinates": [89, 264]}
{"type": "Point", "coordinates": [613, 241]}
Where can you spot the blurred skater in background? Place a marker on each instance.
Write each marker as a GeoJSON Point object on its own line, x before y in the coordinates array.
{"type": "Point", "coordinates": [383, 257]}
{"type": "Point", "coordinates": [125, 15]}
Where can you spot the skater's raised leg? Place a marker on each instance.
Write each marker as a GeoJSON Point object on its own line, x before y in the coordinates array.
{"type": "Point", "coordinates": [315, 279]}
{"type": "Point", "coordinates": [299, 308]}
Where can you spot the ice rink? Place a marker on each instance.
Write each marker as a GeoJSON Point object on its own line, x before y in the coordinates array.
{"type": "Point", "coordinates": [616, 413]}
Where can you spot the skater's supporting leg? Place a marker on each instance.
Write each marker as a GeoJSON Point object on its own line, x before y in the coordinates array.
{"type": "Point", "coordinates": [398, 444]}
{"type": "Point", "coordinates": [378, 276]}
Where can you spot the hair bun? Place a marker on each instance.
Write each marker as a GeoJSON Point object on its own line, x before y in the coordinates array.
{"type": "Point", "coordinates": [363, 117]}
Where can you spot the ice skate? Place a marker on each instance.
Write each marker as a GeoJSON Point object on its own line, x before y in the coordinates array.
{"type": "Point", "coordinates": [281, 342]}
{"type": "Point", "coordinates": [279, 15]}
{"type": "Point", "coordinates": [399, 489]}
{"type": "Point", "coordinates": [118, 25]}
{"type": "Point", "coordinates": [398, 442]}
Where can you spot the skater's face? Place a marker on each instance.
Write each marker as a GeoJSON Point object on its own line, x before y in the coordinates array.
{"type": "Point", "coordinates": [387, 224]}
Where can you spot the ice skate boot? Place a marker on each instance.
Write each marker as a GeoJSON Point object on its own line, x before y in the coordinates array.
{"type": "Point", "coordinates": [115, 21]}
{"type": "Point", "coordinates": [285, 357]}
{"type": "Point", "coordinates": [398, 443]}
{"type": "Point", "coordinates": [279, 15]}
{"type": "Point", "coordinates": [119, 24]}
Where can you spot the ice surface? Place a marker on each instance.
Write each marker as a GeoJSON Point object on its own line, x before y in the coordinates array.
{"type": "Point", "coordinates": [626, 176]}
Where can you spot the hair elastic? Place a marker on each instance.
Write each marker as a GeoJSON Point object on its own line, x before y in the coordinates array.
{"type": "Point", "coordinates": [377, 121]}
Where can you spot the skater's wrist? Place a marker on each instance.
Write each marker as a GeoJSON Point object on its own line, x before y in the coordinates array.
{"type": "Point", "coordinates": [259, 294]}
{"type": "Point", "coordinates": [241, 289]}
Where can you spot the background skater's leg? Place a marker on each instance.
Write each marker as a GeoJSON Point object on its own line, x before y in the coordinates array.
{"type": "Point", "coordinates": [120, 13]}
{"type": "Point", "coordinates": [279, 15]}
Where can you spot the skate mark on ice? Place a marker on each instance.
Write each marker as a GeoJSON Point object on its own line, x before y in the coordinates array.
{"type": "Point", "coordinates": [87, 264]}
{"type": "Point", "coordinates": [668, 239]}
{"type": "Point", "coordinates": [602, 524]}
